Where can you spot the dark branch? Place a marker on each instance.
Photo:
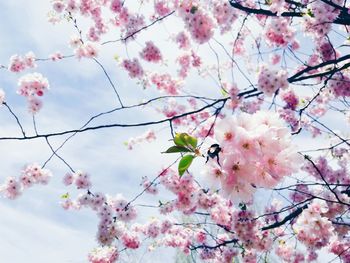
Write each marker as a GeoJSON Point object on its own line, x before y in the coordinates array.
{"type": "Point", "coordinates": [289, 217]}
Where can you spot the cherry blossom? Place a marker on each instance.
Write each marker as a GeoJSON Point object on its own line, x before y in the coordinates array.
{"type": "Point", "coordinates": [270, 80]}
{"type": "Point", "coordinates": [251, 156]}
{"type": "Point", "coordinates": [151, 53]}
{"type": "Point", "coordinates": [103, 255]}
{"type": "Point", "coordinates": [2, 96]}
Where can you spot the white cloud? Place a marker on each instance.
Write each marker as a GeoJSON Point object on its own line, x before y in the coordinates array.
{"type": "Point", "coordinates": [33, 238]}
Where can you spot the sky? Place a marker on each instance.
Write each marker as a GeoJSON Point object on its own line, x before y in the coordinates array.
{"type": "Point", "coordinates": [34, 227]}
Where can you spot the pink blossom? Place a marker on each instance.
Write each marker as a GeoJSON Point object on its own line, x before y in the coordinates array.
{"type": "Point", "coordinates": [12, 188]}
{"type": "Point", "coordinates": [278, 32]}
{"type": "Point", "coordinates": [166, 83]}
{"type": "Point", "coordinates": [133, 67]}
{"type": "Point", "coordinates": [124, 211]}
{"type": "Point", "coordinates": [161, 7]}
{"type": "Point", "coordinates": [148, 136]}
{"type": "Point", "coordinates": [275, 58]}
{"type": "Point", "coordinates": [133, 23]}
{"type": "Point", "coordinates": [30, 175]}
{"type": "Point", "coordinates": [312, 228]}
{"type": "Point", "coordinates": [18, 63]}
{"type": "Point", "coordinates": [256, 151]}
{"type": "Point", "coordinates": [130, 240]}
{"type": "Point", "coordinates": [116, 5]}
{"type": "Point", "coordinates": [182, 40]}
{"type": "Point", "coordinates": [225, 15]}
{"type": "Point", "coordinates": [2, 96]}
{"type": "Point", "coordinates": [340, 85]}
{"type": "Point", "coordinates": [82, 180]}
{"type": "Point", "coordinates": [270, 80]}
{"type": "Point", "coordinates": [58, 6]}
{"type": "Point", "coordinates": [149, 186]}
{"type": "Point", "coordinates": [56, 56]}
{"type": "Point", "coordinates": [33, 84]}
{"type": "Point", "coordinates": [34, 105]}
{"type": "Point", "coordinates": [319, 23]}
{"type": "Point", "coordinates": [103, 255]}
{"type": "Point", "coordinates": [151, 53]}
{"type": "Point", "coordinates": [75, 41]}
{"type": "Point", "coordinates": [87, 50]}
{"type": "Point", "coordinates": [197, 22]}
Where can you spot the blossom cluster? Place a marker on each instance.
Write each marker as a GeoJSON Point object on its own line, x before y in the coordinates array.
{"type": "Point", "coordinates": [133, 67]}
{"type": "Point", "coordinates": [312, 228]}
{"type": "Point", "coordinates": [30, 175]}
{"type": "Point", "coordinates": [288, 253]}
{"type": "Point", "coordinates": [56, 56]}
{"type": "Point", "coordinates": [79, 178]}
{"type": "Point", "coordinates": [326, 50]}
{"type": "Point", "coordinates": [32, 86]}
{"type": "Point", "coordinates": [278, 32]}
{"type": "Point", "coordinates": [318, 20]}
{"type": "Point", "coordinates": [109, 209]}
{"type": "Point", "coordinates": [19, 63]}
{"type": "Point", "coordinates": [322, 170]}
{"type": "Point", "coordinates": [197, 22]}
{"type": "Point", "coordinates": [161, 7]}
{"type": "Point", "coordinates": [270, 80]}
{"type": "Point", "coordinates": [103, 255]}
{"type": "Point", "coordinates": [184, 188]}
{"type": "Point", "coordinates": [187, 61]}
{"type": "Point", "coordinates": [151, 53]}
{"type": "Point", "coordinates": [247, 231]}
{"type": "Point", "coordinates": [339, 84]}
{"type": "Point", "coordinates": [166, 83]}
{"type": "Point", "coordinates": [2, 96]}
{"type": "Point", "coordinates": [183, 40]}
{"type": "Point", "coordinates": [290, 117]}
{"type": "Point", "coordinates": [149, 187]}
{"type": "Point", "coordinates": [291, 99]}
{"type": "Point", "coordinates": [87, 50]}
{"type": "Point", "coordinates": [225, 15]}
{"type": "Point", "coordinates": [133, 25]}
{"type": "Point", "coordinates": [173, 108]}
{"type": "Point", "coordinates": [340, 247]}
{"type": "Point", "coordinates": [148, 136]}
{"type": "Point", "coordinates": [256, 152]}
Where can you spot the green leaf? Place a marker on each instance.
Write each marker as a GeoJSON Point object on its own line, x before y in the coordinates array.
{"type": "Point", "coordinates": [183, 139]}
{"type": "Point", "coordinates": [191, 141]}
{"type": "Point", "coordinates": [178, 139]}
{"type": "Point", "coordinates": [185, 163]}
{"type": "Point", "coordinates": [65, 196]}
{"type": "Point", "coordinates": [309, 13]}
{"type": "Point", "coordinates": [177, 149]}
{"type": "Point", "coordinates": [224, 92]}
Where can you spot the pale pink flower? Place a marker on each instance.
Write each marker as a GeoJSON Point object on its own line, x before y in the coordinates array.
{"type": "Point", "coordinates": [106, 254]}
{"type": "Point", "coordinates": [2, 96]}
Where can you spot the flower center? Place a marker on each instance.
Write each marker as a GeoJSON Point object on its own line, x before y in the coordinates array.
{"type": "Point", "coordinates": [228, 136]}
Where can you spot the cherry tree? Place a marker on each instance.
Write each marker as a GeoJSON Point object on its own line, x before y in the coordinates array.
{"type": "Point", "coordinates": [252, 96]}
